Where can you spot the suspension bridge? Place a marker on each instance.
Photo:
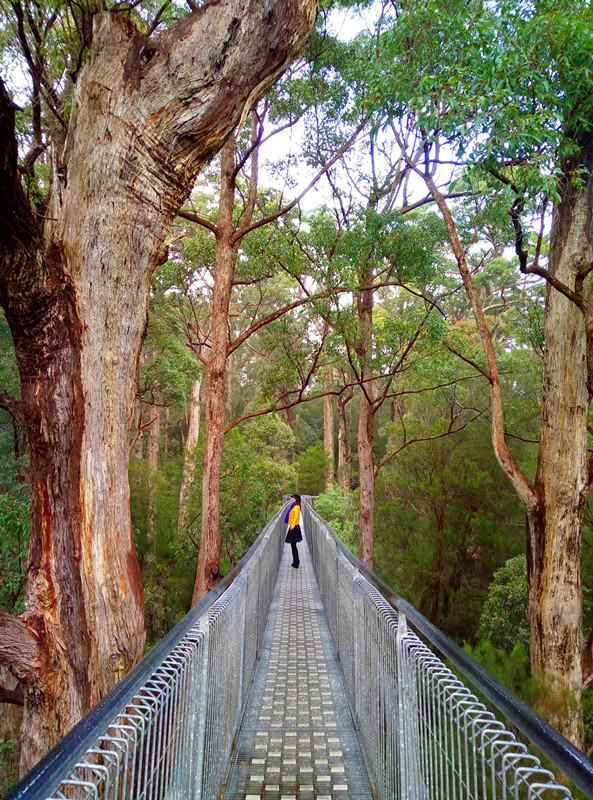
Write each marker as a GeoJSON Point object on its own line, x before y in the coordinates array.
{"type": "Point", "coordinates": [318, 682]}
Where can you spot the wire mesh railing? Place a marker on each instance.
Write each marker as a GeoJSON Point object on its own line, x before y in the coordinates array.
{"type": "Point", "coordinates": [166, 731]}
{"type": "Point", "coordinates": [425, 734]}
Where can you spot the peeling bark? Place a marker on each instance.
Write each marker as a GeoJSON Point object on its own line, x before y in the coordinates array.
{"type": "Point", "coordinates": [147, 114]}
{"type": "Point", "coordinates": [19, 647]}
{"type": "Point", "coordinates": [555, 532]}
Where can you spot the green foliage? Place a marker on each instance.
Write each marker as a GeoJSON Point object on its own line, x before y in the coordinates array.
{"type": "Point", "coordinates": [168, 574]}
{"type": "Point", "coordinates": [14, 542]}
{"type": "Point", "coordinates": [256, 474]}
{"type": "Point", "coordinates": [445, 517]}
{"type": "Point", "coordinates": [505, 82]}
{"type": "Point", "coordinates": [312, 468]}
{"type": "Point", "coordinates": [8, 771]}
{"type": "Point", "coordinates": [503, 622]}
{"type": "Point", "coordinates": [510, 667]}
{"type": "Point", "coordinates": [342, 514]}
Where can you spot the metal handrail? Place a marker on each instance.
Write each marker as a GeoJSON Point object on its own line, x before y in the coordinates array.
{"type": "Point", "coordinates": [46, 776]}
{"type": "Point", "coordinates": [571, 761]}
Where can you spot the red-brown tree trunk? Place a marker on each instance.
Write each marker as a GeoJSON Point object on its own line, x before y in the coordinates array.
{"type": "Point", "coordinates": [147, 114]}
{"type": "Point", "coordinates": [224, 271]}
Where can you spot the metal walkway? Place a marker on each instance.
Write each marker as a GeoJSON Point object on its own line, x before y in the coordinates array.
{"type": "Point", "coordinates": [297, 738]}
{"type": "Point", "coordinates": [253, 667]}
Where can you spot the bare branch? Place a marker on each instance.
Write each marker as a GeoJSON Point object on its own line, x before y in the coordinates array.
{"type": "Point", "coordinates": [155, 23]}
{"type": "Point", "coordinates": [467, 360]}
{"type": "Point", "coordinates": [408, 442]}
{"type": "Point", "coordinates": [429, 199]}
{"type": "Point", "coordinates": [285, 209]}
{"type": "Point", "coordinates": [199, 220]}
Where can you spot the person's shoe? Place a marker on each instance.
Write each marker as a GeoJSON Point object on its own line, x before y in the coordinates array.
{"type": "Point", "coordinates": [296, 566]}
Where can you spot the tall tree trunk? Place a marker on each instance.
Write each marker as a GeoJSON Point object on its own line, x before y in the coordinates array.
{"type": "Point", "coordinates": [365, 424]}
{"type": "Point", "coordinates": [562, 482]}
{"type": "Point", "coordinates": [224, 271]}
{"type": "Point", "coordinates": [554, 505]}
{"type": "Point", "coordinates": [344, 456]}
{"type": "Point", "coordinates": [230, 379]}
{"type": "Point", "coordinates": [328, 430]}
{"type": "Point", "coordinates": [154, 447]}
{"type": "Point", "coordinates": [147, 114]}
{"type": "Point", "coordinates": [287, 417]}
{"type": "Point", "coordinates": [189, 455]}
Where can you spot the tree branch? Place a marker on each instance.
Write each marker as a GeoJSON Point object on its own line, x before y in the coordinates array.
{"type": "Point", "coordinates": [467, 360]}
{"type": "Point", "coordinates": [13, 697]}
{"type": "Point", "coordinates": [525, 490]}
{"type": "Point", "coordinates": [19, 648]}
{"type": "Point", "coordinates": [13, 406]}
{"type": "Point", "coordinates": [199, 220]}
{"type": "Point", "coordinates": [285, 209]}
{"type": "Point", "coordinates": [408, 442]}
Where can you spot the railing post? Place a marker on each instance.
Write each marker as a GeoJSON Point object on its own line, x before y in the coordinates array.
{"type": "Point", "coordinates": [201, 710]}
{"type": "Point", "coordinates": [411, 781]}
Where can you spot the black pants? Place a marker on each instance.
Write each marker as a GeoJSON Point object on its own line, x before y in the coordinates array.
{"type": "Point", "coordinates": [295, 554]}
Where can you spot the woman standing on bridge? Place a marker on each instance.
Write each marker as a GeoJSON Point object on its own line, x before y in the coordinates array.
{"type": "Point", "coordinates": [293, 534]}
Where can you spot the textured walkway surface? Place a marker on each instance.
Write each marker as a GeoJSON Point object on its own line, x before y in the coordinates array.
{"type": "Point", "coordinates": [297, 739]}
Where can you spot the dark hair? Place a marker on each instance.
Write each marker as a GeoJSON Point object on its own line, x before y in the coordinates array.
{"type": "Point", "coordinates": [297, 497]}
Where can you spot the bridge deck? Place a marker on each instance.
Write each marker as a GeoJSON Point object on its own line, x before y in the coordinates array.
{"type": "Point", "coordinates": [297, 739]}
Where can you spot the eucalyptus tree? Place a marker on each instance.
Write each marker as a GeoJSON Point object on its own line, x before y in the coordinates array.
{"type": "Point", "coordinates": [268, 328]}
{"type": "Point", "coordinates": [127, 103]}
{"type": "Point", "coordinates": [240, 212]}
{"type": "Point", "coordinates": [505, 88]}
{"type": "Point", "coordinates": [378, 254]}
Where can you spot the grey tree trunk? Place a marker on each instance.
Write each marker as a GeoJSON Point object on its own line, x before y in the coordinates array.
{"type": "Point", "coordinates": [344, 455]}
{"type": "Point", "coordinates": [365, 424]}
{"type": "Point", "coordinates": [328, 430]}
{"type": "Point", "coordinates": [563, 482]}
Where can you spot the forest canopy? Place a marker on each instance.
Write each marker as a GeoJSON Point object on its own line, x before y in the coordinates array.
{"type": "Point", "coordinates": [355, 263]}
